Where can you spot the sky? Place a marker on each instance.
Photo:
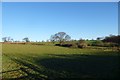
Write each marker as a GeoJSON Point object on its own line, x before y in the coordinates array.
{"type": "Point", "coordinates": [40, 20]}
{"type": "Point", "coordinates": [60, 0]}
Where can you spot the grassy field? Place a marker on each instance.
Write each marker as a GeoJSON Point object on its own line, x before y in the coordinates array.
{"type": "Point", "coordinates": [48, 62]}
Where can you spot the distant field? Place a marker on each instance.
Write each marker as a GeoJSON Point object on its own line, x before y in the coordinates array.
{"type": "Point", "coordinates": [35, 62]}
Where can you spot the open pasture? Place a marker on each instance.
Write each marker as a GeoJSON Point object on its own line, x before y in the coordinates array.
{"type": "Point", "coordinates": [43, 62]}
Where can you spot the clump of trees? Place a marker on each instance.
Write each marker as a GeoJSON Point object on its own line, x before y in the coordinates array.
{"type": "Point", "coordinates": [7, 39]}
{"type": "Point", "coordinates": [112, 39]}
{"type": "Point", "coordinates": [108, 41]}
{"type": "Point", "coordinates": [64, 40]}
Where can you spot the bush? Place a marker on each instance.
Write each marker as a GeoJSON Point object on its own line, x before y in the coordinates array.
{"type": "Point", "coordinates": [97, 43]}
{"type": "Point", "coordinates": [57, 44]}
{"type": "Point", "coordinates": [79, 44]}
{"type": "Point", "coordinates": [66, 45]}
{"type": "Point", "coordinates": [82, 44]}
{"type": "Point", "coordinates": [110, 44]}
{"type": "Point", "coordinates": [74, 45]}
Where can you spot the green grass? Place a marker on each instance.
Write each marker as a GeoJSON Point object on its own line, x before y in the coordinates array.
{"type": "Point", "coordinates": [32, 62]}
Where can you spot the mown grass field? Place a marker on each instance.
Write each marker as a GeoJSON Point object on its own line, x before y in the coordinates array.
{"type": "Point", "coordinates": [48, 62]}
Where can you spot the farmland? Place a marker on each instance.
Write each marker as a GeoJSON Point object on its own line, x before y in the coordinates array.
{"type": "Point", "coordinates": [42, 62]}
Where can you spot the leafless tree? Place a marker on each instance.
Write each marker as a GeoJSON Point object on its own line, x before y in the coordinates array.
{"type": "Point", "coordinates": [60, 37]}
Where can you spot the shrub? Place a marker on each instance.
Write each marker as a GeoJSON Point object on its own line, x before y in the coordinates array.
{"type": "Point", "coordinates": [66, 45]}
{"type": "Point", "coordinates": [74, 45]}
{"type": "Point", "coordinates": [82, 44]}
{"type": "Point", "coordinates": [57, 44]}
{"type": "Point", "coordinates": [97, 43]}
{"type": "Point", "coordinates": [110, 44]}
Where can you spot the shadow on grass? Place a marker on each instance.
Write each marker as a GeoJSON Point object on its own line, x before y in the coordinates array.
{"type": "Point", "coordinates": [77, 66]}
{"type": "Point", "coordinates": [32, 72]}
{"type": "Point", "coordinates": [83, 66]}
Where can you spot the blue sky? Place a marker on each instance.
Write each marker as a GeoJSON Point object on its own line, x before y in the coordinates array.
{"type": "Point", "coordinates": [39, 20]}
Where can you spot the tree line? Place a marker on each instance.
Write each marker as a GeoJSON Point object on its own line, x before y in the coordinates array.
{"type": "Point", "coordinates": [63, 39]}
{"type": "Point", "coordinates": [9, 39]}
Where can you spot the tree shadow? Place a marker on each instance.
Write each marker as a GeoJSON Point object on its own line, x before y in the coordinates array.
{"type": "Point", "coordinates": [75, 66]}
{"type": "Point", "coordinates": [16, 70]}
{"type": "Point", "coordinates": [82, 66]}
{"type": "Point", "coordinates": [32, 72]}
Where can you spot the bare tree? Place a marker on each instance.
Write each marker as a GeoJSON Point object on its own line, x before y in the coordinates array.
{"type": "Point", "coordinates": [60, 37]}
{"type": "Point", "coordinates": [26, 39]}
{"type": "Point", "coordinates": [4, 39]}
{"type": "Point", "coordinates": [7, 39]}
